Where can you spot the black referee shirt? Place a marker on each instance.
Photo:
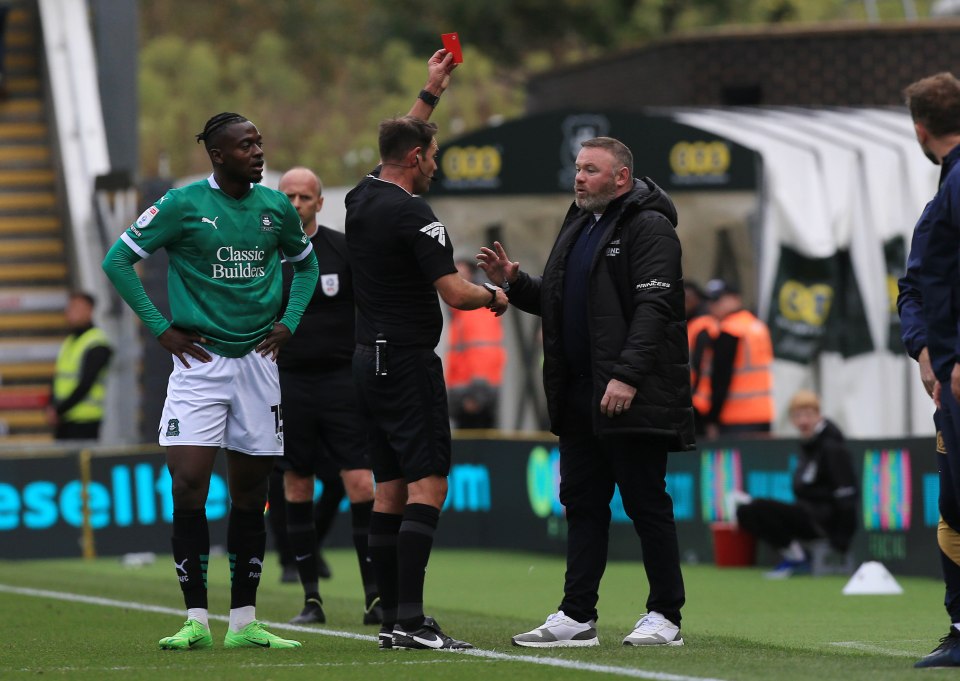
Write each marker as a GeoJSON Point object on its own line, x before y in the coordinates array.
{"type": "Point", "coordinates": [324, 337]}
{"type": "Point", "coordinates": [398, 249]}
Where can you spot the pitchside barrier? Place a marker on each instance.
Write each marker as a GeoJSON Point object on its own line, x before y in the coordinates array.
{"type": "Point", "coordinates": [89, 501]}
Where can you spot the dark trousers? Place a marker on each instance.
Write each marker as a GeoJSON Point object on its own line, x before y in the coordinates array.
{"type": "Point", "coordinates": [947, 422]}
{"type": "Point", "coordinates": [777, 523]}
{"type": "Point", "coordinates": [589, 469]}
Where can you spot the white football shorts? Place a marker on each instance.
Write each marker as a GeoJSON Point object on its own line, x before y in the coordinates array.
{"type": "Point", "coordinates": [227, 402]}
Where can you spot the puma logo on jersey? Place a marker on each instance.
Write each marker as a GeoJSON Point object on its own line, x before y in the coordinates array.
{"type": "Point", "coordinates": [211, 222]}
{"type": "Point", "coordinates": [256, 561]}
{"type": "Point", "coordinates": [435, 230]}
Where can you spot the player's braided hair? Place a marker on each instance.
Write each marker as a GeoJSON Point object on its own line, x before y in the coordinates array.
{"type": "Point", "coordinates": [215, 124]}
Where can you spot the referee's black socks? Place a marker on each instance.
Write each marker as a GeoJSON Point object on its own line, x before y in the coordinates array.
{"type": "Point", "coordinates": [302, 535]}
{"type": "Point", "coordinates": [382, 548]}
{"type": "Point", "coordinates": [191, 553]}
{"type": "Point", "coordinates": [413, 548]}
{"type": "Point", "coordinates": [360, 516]}
{"type": "Point", "coordinates": [246, 545]}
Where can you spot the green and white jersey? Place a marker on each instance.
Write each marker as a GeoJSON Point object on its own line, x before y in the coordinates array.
{"type": "Point", "coordinates": [224, 278]}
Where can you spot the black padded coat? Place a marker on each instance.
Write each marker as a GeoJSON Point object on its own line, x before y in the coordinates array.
{"type": "Point", "coordinates": [637, 323]}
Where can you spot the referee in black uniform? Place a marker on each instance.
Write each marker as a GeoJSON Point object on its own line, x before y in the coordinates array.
{"type": "Point", "coordinates": [402, 257]}
{"type": "Point", "coordinates": [321, 417]}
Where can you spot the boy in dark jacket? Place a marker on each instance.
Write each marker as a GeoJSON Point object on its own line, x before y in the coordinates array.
{"type": "Point", "coordinates": [825, 488]}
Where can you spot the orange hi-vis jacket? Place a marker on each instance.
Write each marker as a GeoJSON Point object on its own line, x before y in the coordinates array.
{"type": "Point", "coordinates": [474, 348]}
{"type": "Point", "coordinates": [701, 330]}
{"type": "Point", "coordinates": [750, 396]}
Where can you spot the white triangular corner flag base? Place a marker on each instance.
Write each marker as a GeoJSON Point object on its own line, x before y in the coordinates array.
{"type": "Point", "coordinates": [872, 578]}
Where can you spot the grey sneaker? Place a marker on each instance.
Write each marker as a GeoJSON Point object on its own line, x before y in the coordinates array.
{"type": "Point", "coordinates": [559, 631]}
{"type": "Point", "coordinates": [653, 629]}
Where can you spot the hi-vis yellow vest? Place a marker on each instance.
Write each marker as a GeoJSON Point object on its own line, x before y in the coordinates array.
{"type": "Point", "coordinates": [69, 364]}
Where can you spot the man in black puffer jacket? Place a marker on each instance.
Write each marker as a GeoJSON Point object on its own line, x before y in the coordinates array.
{"type": "Point", "coordinates": [617, 380]}
{"type": "Point", "coordinates": [825, 491]}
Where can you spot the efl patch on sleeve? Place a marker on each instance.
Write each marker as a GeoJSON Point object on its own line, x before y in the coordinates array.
{"type": "Point", "coordinates": [654, 285]}
{"type": "Point", "coordinates": [436, 230]}
{"type": "Point", "coordinates": [146, 216]}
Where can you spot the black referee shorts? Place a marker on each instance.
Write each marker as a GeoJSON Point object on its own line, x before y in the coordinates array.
{"type": "Point", "coordinates": [322, 427]}
{"type": "Point", "coordinates": [406, 413]}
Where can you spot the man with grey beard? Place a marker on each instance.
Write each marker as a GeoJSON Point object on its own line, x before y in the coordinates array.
{"type": "Point", "coordinates": [617, 380]}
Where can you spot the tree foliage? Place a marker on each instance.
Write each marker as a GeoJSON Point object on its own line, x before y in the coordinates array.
{"type": "Point", "coordinates": [318, 75]}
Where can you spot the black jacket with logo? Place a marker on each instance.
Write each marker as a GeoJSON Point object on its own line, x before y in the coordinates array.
{"type": "Point", "coordinates": [825, 485]}
{"type": "Point", "coordinates": [636, 317]}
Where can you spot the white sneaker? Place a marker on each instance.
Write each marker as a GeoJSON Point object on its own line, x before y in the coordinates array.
{"type": "Point", "coordinates": [654, 629]}
{"type": "Point", "coordinates": [559, 631]}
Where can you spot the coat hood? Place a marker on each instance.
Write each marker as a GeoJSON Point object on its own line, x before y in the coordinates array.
{"type": "Point", "coordinates": [646, 195]}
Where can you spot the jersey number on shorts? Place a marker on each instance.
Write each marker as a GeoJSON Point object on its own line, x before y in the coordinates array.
{"type": "Point", "coordinates": [277, 421]}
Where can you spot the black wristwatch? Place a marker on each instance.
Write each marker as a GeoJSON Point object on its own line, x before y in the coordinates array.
{"type": "Point", "coordinates": [493, 292]}
{"type": "Point", "coordinates": [429, 98]}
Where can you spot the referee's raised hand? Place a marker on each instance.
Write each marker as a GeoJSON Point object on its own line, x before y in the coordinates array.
{"type": "Point", "coordinates": [439, 68]}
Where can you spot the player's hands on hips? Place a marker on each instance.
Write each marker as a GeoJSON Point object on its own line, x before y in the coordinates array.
{"type": "Point", "coordinates": [182, 344]}
{"type": "Point", "coordinates": [275, 340]}
{"type": "Point", "coordinates": [497, 265]}
{"type": "Point", "coordinates": [499, 304]}
{"type": "Point", "coordinates": [617, 398]}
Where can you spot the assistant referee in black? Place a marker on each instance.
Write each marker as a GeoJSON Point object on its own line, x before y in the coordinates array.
{"type": "Point", "coordinates": [402, 257]}
{"type": "Point", "coordinates": [322, 428]}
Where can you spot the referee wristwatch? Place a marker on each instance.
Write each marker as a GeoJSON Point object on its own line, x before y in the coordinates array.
{"type": "Point", "coordinates": [493, 292]}
{"type": "Point", "coordinates": [429, 99]}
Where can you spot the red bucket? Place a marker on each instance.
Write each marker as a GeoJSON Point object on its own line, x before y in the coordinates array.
{"type": "Point", "coordinates": [732, 547]}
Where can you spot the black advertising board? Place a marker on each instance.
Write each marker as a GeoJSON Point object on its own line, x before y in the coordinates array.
{"type": "Point", "coordinates": [535, 155]}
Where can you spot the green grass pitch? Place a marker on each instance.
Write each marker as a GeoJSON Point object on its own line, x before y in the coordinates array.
{"type": "Point", "coordinates": [736, 625]}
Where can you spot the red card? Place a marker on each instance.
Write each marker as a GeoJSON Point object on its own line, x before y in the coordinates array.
{"type": "Point", "coordinates": [451, 43]}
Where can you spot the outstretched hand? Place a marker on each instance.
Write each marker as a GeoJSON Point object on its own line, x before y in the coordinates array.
{"type": "Point", "coordinates": [497, 265]}
{"type": "Point", "coordinates": [182, 344]}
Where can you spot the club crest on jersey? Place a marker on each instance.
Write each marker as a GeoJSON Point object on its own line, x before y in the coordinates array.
{"type": "Point", "coordinates": [173, 428]}
{"type": "Point", "coordinates": [331, 284]}
{"type": "Point", "coordinates": [146, 216]}
{"type": "Point", "coordinates": [435, 230]}
{"type": "Point", "coordinates": [266, 223]}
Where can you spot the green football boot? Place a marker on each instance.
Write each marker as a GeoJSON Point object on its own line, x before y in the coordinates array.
{"type": "Point", "coordinates": [192, 635]}
{"type": "Point", "coordinates": [255, 635]}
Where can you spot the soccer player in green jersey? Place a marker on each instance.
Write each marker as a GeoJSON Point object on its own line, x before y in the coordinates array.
{"type": "Point", "coordinates": [223, 236]}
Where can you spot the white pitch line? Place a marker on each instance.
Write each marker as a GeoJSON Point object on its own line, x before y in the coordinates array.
{"type": "Point", "coordinates": [867, 647]}
{"type": "Point", "coordinates": [252, 665]}
{"type": "Point", "coordinates": [486, 654]}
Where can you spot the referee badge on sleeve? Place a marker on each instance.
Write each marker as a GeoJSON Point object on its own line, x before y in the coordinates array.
{"type": "Point", "coordinates": [331, 284]}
